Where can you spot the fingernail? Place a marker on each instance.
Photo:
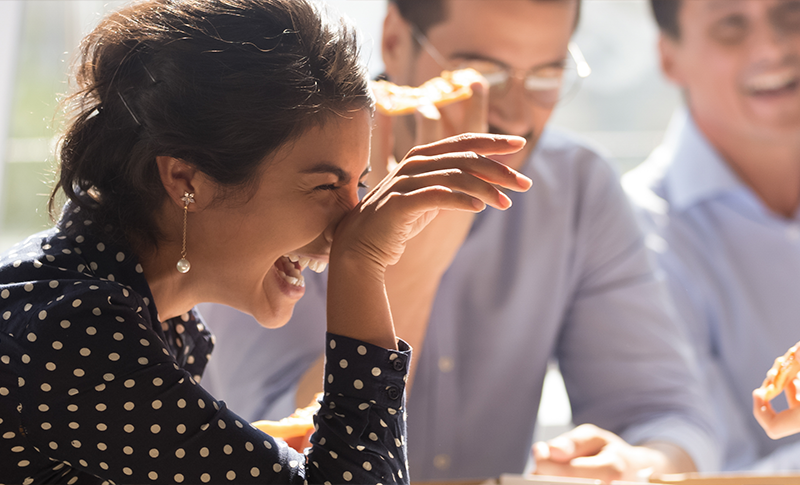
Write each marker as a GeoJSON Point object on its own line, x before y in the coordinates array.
{"type": "Point", "coordinates": [524, 181]}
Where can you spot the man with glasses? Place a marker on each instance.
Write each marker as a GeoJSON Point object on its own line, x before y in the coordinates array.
{"type": "Point", "coordinates": [487, 300]}
{"type": "Point", "coordinates": [721, 198]}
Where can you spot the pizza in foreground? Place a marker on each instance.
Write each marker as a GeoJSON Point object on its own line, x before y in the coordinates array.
{"type": "Point", "coordinates": [783, 370]}
{"type": "Point", "coordinates": [296, 425]}
{"type": "Point", "coordinates": [449, 87]}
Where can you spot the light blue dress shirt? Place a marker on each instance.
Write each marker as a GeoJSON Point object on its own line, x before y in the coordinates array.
{"type": "Point", "coordinates": [564, 273]}
{"type": "Point", "coordinates": [733, 268]}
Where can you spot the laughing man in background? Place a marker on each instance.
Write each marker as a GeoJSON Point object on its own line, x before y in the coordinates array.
{"type": "Point", "coordinates": [721, 199]}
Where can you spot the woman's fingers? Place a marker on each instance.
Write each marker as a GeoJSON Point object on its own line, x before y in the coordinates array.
{"type": "Point", "coordinates": [470, 162]}
{"type": "Point", "coordinates": [453, 180]}
{"type": "Point", "coordinates": [481, 143]}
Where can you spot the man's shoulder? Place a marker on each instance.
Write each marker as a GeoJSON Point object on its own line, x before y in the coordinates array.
{"type": "Point", "coordinates": [558, 145]}
{"type": "Point", "coordinates": [645, 185]}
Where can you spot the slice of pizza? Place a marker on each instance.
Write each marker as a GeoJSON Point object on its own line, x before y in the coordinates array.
{"type": "Point", "coordinates": [449, 87]}
{"type": "Point", "coordinates": [784, 369]}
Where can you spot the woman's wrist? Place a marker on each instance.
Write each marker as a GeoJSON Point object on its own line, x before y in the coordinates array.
{"type": "Point", "coordinates": [357, 303]}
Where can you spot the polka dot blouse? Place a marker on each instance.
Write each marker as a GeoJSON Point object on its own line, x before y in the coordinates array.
{"type": "Point", "coordinates": [95, 389]}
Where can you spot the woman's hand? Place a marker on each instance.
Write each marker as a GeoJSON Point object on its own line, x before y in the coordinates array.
{"type": "Point", "coordinates": [784, 423]}
{"type": "Point", "coordinates": [450, 174]}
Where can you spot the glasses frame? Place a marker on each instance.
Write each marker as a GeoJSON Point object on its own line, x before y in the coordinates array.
{"type": "Point", "coordinates": [582, 68]}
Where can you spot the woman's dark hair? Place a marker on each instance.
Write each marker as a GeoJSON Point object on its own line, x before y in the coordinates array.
{"type": "Point", "coordinates": [219, 84]}
{"type": "Point", "coordinates": [666, 14]}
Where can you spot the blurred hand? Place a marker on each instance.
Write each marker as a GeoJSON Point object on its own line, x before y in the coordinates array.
{"type": "Point", "coordinates": [785, 423]}
{"type": "Point", "coordinates": [591, 452]}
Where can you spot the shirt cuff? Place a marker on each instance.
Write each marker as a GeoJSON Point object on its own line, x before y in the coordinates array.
{"type": "Point", "coordinates": [366, 372]}
{"type": "Point", "coordinates": [700, 446]}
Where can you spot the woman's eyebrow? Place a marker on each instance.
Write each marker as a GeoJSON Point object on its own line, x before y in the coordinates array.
{"type": "Point", "coordinates": [326, 167]}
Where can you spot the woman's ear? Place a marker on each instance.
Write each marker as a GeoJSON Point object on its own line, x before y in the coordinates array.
{"type": "Point", "coordinates": [179, 177]}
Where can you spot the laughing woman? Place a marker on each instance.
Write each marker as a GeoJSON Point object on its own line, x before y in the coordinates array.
{"type": "Point", "coordinates": [212, 148]}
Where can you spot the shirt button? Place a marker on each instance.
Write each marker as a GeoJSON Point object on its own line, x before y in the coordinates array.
{"type": "Point", "coordinates": [393, 393]}
{"type": "Point", "coordinates": [446, 364]}
{"type": "Point", "coordinates": [442, 462]}
{"type": "Point", "coordinates": [793, 232]}
{"type": "Point", "coordinates": [398, 365]}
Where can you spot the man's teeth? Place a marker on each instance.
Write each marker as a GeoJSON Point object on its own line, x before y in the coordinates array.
{"type": "Point", "coordinates": [770, 82]}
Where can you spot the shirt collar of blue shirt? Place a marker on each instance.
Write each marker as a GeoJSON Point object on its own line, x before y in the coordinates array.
{"type": "Point", "coordinates": [697, 172]}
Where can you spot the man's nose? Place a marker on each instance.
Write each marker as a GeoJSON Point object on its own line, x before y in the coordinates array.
{"type": "Point", "coordinates": [513, 108]}
{"type": "Point", "coordinates": [770, 42]}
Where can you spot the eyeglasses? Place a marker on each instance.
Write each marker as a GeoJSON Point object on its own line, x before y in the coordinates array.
{"type": "Point", "coordinates": [545, 85]}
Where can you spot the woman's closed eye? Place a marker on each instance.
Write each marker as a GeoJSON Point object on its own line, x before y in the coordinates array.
{"type": "Point", "coordinates": [361, 185]}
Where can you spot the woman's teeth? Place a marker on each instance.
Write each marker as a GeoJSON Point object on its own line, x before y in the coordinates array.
{"type": "Point", "coordinates": [290, 272]}
{"type": "Point", "coordinates": [315, 265]}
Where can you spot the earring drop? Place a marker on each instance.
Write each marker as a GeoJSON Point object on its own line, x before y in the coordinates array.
{"type": "Point", "coordinates": [183, 264]}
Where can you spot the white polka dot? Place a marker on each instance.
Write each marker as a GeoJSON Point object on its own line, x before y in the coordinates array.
{"type": "Point", "coordinates": [277, 467]}
{"type": "Point", "coordinates": [227, 449]}
{"type": "Point", "coordinates": [101, 427]}
{"type": "Point", "coordinates": [129, 383]}
{"type": "Point", "coordinates": [155, 429]}
{"type": "Point", "coordinates": [332, 344]}
{"type": "Point", "coordinates": [349, 429]}
{"type": "Point", "coordinates": [367, 466]}
{"type": "Point", "coordinates": [221, 424]}
{"type": "Point", "coordinates": [152, 476]}
{"type": "Point", "coordinates": [254, 472]}
{"type": "Point", "coordinates": [79, 372]}
{"type": "Point", "coordinates": [127, 450]}
{"type": "Point", "coordinates": [6, 315]}
{"type": "Point", "coordinates": [120, 257]}
{"type": "Point", "coordinates": [373, 437]}
{"type": "Point", "coordinates": [127, 471]}
{"type": "Point", "coordinates": [74, 425]}
{"type": "Point", "coordinates": [85, 352]}
{"type": "Point", "coordinates": [58, 345]}
{"type": "Point", "coordinates": [32, 336]}
{"type": "Point", "coordinates": [72, 408]}
{"type": "Point", "coordinates": [343, 364]}
{"type": "Point", "coordinates": [42, 315]}
{"type": "Point", "coordinates": [330, 378]}
{"type": "Point", "coordinates": [231, 475]}
{"type": "Point", "coordinates": [108, 377]}
{"type": "Point", "coordinates": [76, 303]}
{"type": "Point", "coordinates": [347, 476]}
{"type": "Point", "coordinates": [101, 247]}
{"type": "Point", "coordinates": [53, 445]}
{"type": "Point", "coordinates": [201, 403]}
{"type": "Point", "coordinates": [76, 444]}
{"type": "Point", "coordinates": [118, 336]}
{"type": "Point", "coordinates": [113, 356]}
{"type": "Point", "coordinates": [101, 407]}
{"type": "Point", "coordinates": [92, 330]}
{"type": "Point", "coordinates": [129, 406]}
{"type": "Point", "coordinates": [154, 453]}
{"type": "Point", "coordinates": [27, 307]}
{"type": "Point", "coordinates": [334, 455]}
{"type": "Point", "coordinates": [376, 371]}
{"type": "Point", "coordinates": [181, 403]}
{"type": "Point", "coordinates": [128, 428]}
{"type": "Point", "coordinates": [102, 446]}
{"type": "Point", "coordinates": [65, 324]}
{"type": "Point", "coordinates": [178, 478]}
{"type": "Point", "coordinates": [205, 478]}
{"type": "Point", "coordinates": [144, 342]}
{"type": "Point", "coordinates": [25, 358]}
{"type": "Point", "coordinates": [4, 294]}
{"type": "Point", "coordinates": [50, 366]}
{"type": "Point", "coordinates": [180, 453]}
{"type": "Point", "coordinates": [358, 384]}
{"type": "Point", "coordinates": [44, 408]}
{"type": "Point", "coordinates": [45, 387]}
{"type": "Point", "coordinates": [181, 428]}
{"type": "Point", "coordinates": [96, 312]}
{"type": "Point", "coordinates": [28, 287]}
{"type": "Point", "coordinates": [204, 452]}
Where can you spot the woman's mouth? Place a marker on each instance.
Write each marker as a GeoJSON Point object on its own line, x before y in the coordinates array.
{"type": "Point", "coordinates": [290, 266]}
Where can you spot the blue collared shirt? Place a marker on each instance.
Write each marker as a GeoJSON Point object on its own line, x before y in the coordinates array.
{"type": "Point", "coordinates": [733, 268]}
{"type": "Point", "coordinates": [563, 273]}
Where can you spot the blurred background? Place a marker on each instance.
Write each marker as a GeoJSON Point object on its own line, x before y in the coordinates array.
{"type": "Point", "coordinates": [623, 107]}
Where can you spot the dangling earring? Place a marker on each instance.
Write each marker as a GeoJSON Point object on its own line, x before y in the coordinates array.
{"type": "Point", "coordinates": [183, 264]}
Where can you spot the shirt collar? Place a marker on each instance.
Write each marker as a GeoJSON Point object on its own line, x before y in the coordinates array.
{"type": "Point", "coordinates": [696, 170]}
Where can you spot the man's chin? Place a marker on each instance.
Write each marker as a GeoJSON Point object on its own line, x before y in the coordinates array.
{"type": "Point", "coordinates": [515, 160]}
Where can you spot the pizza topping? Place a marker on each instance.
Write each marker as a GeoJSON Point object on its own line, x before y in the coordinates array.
{"type": "Point", "coordinates": [449, 87]}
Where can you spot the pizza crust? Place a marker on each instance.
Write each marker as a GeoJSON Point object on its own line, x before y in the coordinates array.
{"type": "Point", "coordinates": [449, 87]}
